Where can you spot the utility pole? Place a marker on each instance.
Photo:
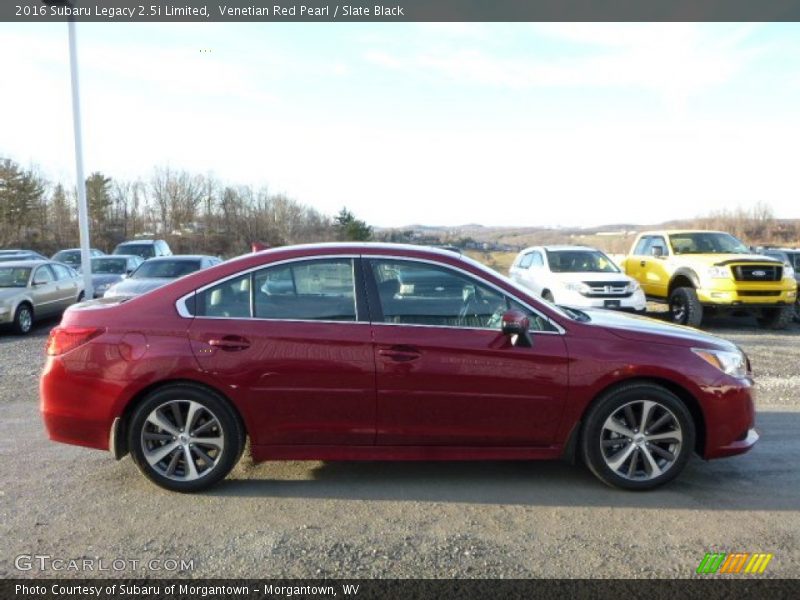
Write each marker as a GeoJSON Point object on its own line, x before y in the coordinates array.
{"type": "Point", "coordinates": [83, 210]}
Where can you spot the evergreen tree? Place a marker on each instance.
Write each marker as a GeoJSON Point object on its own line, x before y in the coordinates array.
{"type": "Point", "coordinates": [351, 229]}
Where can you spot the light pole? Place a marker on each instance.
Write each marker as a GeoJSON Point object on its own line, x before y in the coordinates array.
{"type": "Point", "coordinates": [83, 211]}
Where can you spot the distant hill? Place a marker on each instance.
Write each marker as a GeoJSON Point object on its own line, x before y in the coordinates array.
{"type": "Point", "coordinates": [614, 238]}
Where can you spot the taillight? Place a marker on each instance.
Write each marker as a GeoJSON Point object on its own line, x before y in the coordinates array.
{"type": "Point", "coordinates": [64, 339]}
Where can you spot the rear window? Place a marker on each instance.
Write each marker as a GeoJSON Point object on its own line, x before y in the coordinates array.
{"type": "Point", "coordinates": [143, 250]}
{"type": "Point", "coordinates": [167, 269]}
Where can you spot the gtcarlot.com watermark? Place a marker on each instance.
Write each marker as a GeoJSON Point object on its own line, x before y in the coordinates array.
{"type": "Point", "coordinates": [49, 563]}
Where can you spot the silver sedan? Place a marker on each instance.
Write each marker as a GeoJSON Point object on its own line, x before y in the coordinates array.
{"type": "Point", "coordinates": [34, 289]}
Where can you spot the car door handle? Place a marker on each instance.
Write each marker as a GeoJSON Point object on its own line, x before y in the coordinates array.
{"type": "Point", "coordinates": [400, 353]}
{"type": "Point", "coordinates": [642, 263]}
{"type": "Point", "coordinates": [230, 343]}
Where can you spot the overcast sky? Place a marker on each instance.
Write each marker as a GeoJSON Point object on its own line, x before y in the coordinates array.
{"type": "Point", "coordinates": [441, 124]}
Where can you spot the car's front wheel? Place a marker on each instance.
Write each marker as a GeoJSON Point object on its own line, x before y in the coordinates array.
{"type": "Point", "coordinates": [637, 437]}
{"type": "Point", "coordinates": [185, 438]}
{"type": "Point", "coordinates": [23, 319]}
{"type": "Point", "coordinates": [685, 307]}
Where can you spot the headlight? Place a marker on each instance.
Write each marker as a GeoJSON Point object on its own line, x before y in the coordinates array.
{"type": "Point", "coordinates": [578, 286]}
{"type": "Point", "coordinates": [788, 272]}
{"type": "Point", "coordinates": [634, 286]}
{"type": "Point", "coordinates": [719, 272]}
{"type": "Point", "coordinates": [732, 362]}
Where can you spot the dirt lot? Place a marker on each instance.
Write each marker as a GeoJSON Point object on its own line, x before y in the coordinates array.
{"type": "Point", "coordinates": [299, 519]}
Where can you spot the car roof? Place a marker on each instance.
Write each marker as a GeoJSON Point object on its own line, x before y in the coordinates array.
{"type": "Point", "coordinates": [137, 242]}
{"type": "Point", "coordinates": [560, 247]}
{"type": "Point", "coordinates": [679, 231]}
{"type": "Point", "coordinates": [30, 262]}
{"type": "Point", "coordinates": [115, 256]}
{"type": "Point", "coordinates": [180, 257]}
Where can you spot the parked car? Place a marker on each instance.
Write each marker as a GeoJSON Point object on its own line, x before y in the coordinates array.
{"type": "Point", "coordinates": [34, 289]}
{"type": "Point", "coordinates": [156, 272]}
{"type": "Point", "coordinates": [72, 256]}
{"type": "Point", "coordinates": [696, 271]}
{"type": "Point", "coordinates": [109, 270]}
{"type": "Point", "coordinates": [577, 276]}
{"type": "Point", "coordinates": [13, 255]}
{"type": "Point", "coordinates": [322, 352]}
{"type": "Point", "coordinates": [790, 257]}
{"type": "Point", "coordinates": [144, 248]}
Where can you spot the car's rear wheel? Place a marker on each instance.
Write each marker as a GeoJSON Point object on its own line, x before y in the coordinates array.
{"type": "Point", "coordinates": [685, 307]}
{"type": "Point", "coordinates": [637, 437]}
{"type": "Point", "coordinates": [185, 438]}
{"type": "Point", "coordinates": [23, 319]}
{"type": "Point", "coordinates": [778, 317]}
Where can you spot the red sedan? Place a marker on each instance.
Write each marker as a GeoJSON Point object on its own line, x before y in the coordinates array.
{"type": "Point", "coordinates": [385, 352]}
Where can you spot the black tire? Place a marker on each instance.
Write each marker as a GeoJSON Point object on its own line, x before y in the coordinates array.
{"type": "Point", "coordinates": [548, 295]}
{"type": "Point", "coordinates": [214, 410]}
{"type": "Point", "coordinates": [797, 311]}
{"type": "Point", "coordinates": [598, 450]}
{"type": "Point", "coordinates": [777, 318]}
{"type": "Point", "coordinates": [23, 319]}
{"type": "Point", "coordinates": [685, 307]}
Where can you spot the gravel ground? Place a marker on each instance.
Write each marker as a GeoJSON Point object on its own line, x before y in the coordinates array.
{"type": "Point", "coordinates": [442, 520]}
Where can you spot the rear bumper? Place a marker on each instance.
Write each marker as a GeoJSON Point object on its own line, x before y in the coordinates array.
{"type": "Point", "coordinates": [75, 410]}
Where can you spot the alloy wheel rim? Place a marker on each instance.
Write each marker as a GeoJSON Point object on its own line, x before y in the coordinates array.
{"type": "Point", "coordinates": [25, 319]}
{"type": "Point", "coordinates": [182, 440]}
{"type": "Point", "coordinates": [641, 440]}
{"type": "Point", "coordinates": [678, 310]}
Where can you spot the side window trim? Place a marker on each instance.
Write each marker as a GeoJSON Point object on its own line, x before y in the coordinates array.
{"type": "Point", "coordinates": [376, 313]}
{"type": "Point", "coordinates": [186, 305]}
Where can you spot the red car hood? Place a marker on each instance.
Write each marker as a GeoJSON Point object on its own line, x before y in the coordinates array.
{"type": "Point", "coordinates": [646, 329]}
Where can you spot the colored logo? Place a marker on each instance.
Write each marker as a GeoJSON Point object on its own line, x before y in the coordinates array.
{"type": "Point", "coordinates": [734, 563]}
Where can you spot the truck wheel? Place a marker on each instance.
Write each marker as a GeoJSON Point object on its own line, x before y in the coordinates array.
{"type": "Point", "coordinates": [776, 318]}
{"type": "Point", "coordinates": [685, 308]}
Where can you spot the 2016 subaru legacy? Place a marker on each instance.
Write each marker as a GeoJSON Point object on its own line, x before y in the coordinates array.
{"type": "Point", "coordinates": [385, 352]}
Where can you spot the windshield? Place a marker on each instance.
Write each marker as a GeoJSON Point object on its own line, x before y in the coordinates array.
{"type": "Point", "coordinates": [109, 266]}
{"type": "Point", "coordinates": [706, 243]}
{"type": "Point", "coordinates": [14, 277]}
{"type": "Point", "coordinates": [167, 269]}
{"type": "Point", "coordinates": [143, 250]}
{"type": "Point", "coordinates": [580, 261]}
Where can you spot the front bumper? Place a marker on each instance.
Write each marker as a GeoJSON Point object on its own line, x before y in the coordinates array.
{"type": "Point", "coordinates": [738, 446]}
{"type": "Point", "coordinates": [736, 293]}
{"type": "Point", "coordinates": [729, 412]}
{"type": "Point", "coordinates": [636, 302]}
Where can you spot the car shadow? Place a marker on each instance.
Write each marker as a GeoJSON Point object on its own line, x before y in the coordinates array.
{"type": "Point", "coordinates": [767, 478]}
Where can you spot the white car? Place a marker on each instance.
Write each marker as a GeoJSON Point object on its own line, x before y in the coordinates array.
{"type": "Point", "coordinates": [577, 276]}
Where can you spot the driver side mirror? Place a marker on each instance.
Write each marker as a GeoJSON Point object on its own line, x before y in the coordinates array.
{"type": "Point", "coordinates": [38, 282]}
{"type": "Point", "coordinates": [515, 324]}
{"type": "Point", "coordinates": [657, 251]}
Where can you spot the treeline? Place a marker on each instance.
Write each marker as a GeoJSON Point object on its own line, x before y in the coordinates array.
{"type": "Point", "coordinates": [194, 213]}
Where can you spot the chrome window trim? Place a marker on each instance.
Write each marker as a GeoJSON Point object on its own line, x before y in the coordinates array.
{"type": "Point", "coordinates": [560, 329]}
{"type": "Point", "coordinates": [180, 303]}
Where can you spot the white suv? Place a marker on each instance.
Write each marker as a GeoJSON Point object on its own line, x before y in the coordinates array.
{"type": "Point", "coordinates": [577, 276]}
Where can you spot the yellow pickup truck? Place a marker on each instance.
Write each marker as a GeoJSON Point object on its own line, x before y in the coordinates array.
{"type": "Point", "coordinates": [697, 271]}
